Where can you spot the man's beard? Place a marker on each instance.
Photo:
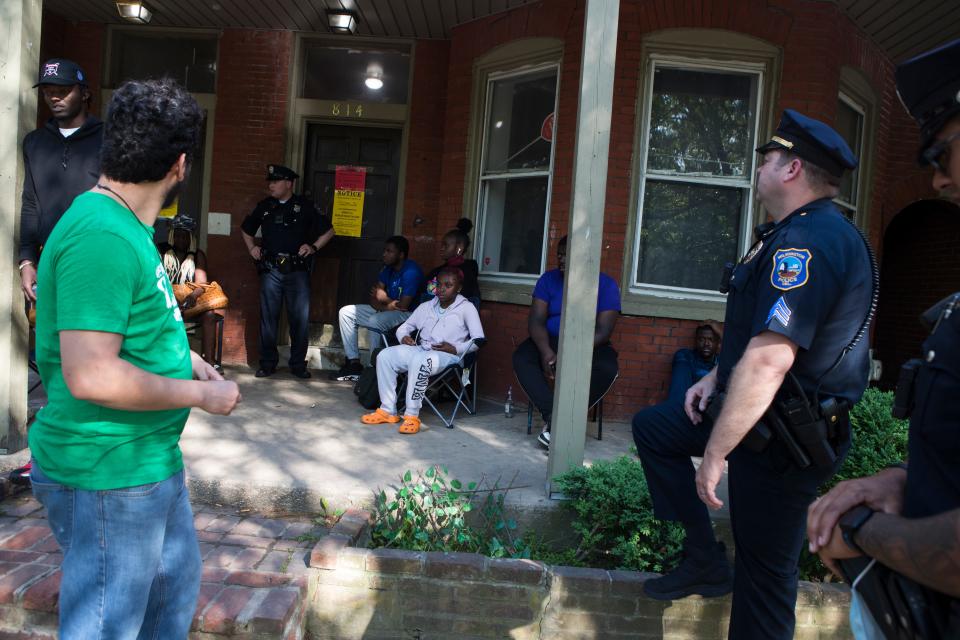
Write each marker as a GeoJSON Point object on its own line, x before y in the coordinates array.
{"type": "Point", "coordinates": [171, 195]}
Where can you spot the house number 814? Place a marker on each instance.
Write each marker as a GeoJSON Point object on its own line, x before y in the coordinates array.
{"type": "Point", "coordinates": [347, 110]}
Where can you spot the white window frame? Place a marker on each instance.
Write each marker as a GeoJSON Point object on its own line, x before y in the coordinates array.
{"type": "Point", "coordinates": [480, 211]}
{"type": "Point", "coordinates": [747, 183]}
{"type": "Point", "coordinates": [856, 207]}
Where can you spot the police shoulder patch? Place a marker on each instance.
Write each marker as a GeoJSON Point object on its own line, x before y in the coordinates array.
{"type": "Point", "coordinates": [791, 268]}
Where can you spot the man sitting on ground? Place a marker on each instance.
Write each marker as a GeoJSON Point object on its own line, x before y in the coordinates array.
{"type": "Point", "coordinates": [689, 365]}
{"type": "Point", "coordinates": [535, 360]}
{"type": "Point", "coordinates": [392, 300]}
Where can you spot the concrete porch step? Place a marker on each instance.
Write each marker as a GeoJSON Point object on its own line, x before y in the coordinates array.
{"type": "Point", "coordinates": [254, 582]}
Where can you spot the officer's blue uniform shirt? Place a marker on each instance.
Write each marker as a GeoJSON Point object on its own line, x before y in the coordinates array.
{"type": "Point", "coordinates": [286, 225]}
{"type": "Point", "coordinates": [809, 279]}
{"type": "Point", "coordinates": [933, 483]}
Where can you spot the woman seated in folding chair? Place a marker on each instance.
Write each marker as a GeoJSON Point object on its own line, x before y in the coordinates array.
{"type": "Point", "coordinates": [185, 263]}
{"type": "Point", "coordinates": [437, 335]}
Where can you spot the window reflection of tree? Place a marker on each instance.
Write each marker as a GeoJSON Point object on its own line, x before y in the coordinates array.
{"type": "Point", "coordinates": [701, 127]}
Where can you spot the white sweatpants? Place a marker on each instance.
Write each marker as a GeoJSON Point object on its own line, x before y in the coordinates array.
{"type": "Point", "coordinates": [419, 364]}
{"type": "Point", "coordinates": [353, 315]}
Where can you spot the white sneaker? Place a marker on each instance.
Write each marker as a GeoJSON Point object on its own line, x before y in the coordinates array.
{"type": "Point", "coordinates": [544, 439]}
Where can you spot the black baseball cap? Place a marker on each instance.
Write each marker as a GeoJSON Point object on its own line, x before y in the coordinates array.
{"type": "Point", "coordinates": [929, 88]}
{"type": "Point", "coordinates": [62, 72]}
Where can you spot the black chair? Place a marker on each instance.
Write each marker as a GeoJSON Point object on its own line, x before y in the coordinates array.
{"type": "Point", "coordinates": [193, 327]}
{"type": "Point", "coordinates": [596, 411]}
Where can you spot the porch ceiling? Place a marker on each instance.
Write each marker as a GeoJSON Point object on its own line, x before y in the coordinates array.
{"type": "Point", "coordinates": [381, 18]}
{"type": "Point", "coordinates": [902, 29]}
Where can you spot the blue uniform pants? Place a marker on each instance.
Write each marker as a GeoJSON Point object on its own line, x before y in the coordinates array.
{"type": "Point", "coordinates": [293, 290]}
{"type": "Point", "coordinates": [768, 508]}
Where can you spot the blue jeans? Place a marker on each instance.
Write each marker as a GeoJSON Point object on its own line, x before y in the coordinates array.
{"type": "Point", "coordinates": [293, 290]}
{"type": "Point", "coordinates": [131, 562]}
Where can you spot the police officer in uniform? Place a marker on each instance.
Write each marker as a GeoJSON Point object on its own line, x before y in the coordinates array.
{"type": "Point", "coordinates": [796, 302]}
{"type": "Point", "coordinates": [292, 232]}
{"type": "Point", "coordinates": [907, 517]}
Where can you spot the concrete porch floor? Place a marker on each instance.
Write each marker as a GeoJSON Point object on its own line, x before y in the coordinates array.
{"type": "Point", "coordinates": [293, 445]}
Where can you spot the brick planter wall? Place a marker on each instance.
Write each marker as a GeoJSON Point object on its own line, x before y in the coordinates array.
{"type": "Point", "coordinates": [389, 593]}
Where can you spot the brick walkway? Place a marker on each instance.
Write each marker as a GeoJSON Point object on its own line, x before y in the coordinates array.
{"type": "Point", "coordinates": [254, 573]}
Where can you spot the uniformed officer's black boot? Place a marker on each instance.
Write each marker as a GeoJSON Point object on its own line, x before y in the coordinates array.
{"type": "Point", "coordinates": [705, 573]}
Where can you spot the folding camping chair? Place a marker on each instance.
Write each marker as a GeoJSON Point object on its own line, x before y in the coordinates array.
{"type": "Point", "coordinates": [455, 378]}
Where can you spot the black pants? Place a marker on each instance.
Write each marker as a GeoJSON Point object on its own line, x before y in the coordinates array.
{"type": "Point", "coordinates": [526, 364]}
{"type": "Point", "coordinates": [769, 497]}
{"type": "Point", "coordinates": [293, 290]}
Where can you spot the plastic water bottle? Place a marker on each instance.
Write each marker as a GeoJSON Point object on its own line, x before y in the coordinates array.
{"type": "Point", "coordinates": [508, 404]}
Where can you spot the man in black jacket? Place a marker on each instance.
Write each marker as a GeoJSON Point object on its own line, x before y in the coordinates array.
{"type": "Point", "coordinates": [61, 160]}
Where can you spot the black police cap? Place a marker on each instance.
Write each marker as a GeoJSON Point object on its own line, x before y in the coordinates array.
{"type": "Point", "coordinates": [280, 172]}
{"type": "Point", "coordinates": [813, 141]}
{"type": "Point", "coordinates": [929, 88]}
{"type": "Point", "coordinates": [62, 72]}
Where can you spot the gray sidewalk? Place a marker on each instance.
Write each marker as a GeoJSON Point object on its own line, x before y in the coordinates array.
{"type": "Point", "coordinates": [293, 444]}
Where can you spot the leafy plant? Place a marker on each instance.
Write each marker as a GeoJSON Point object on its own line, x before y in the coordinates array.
{"type": "Point", "coordinates": [614, 518]}
{"type": "Point", "coordinates": [878, 439]}
{"type": "Point", "coordinates": [429, 512]}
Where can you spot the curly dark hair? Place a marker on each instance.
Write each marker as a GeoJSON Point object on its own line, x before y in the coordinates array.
{"type": "Point", "coordinates": [149, 124]}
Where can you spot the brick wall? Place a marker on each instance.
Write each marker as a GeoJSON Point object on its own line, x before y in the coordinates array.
{"type": "Point", "coordinates": [807, 32]}
{"type": "Point", "coordinates": [252, 94]}
{"type": "Point", "coordinates": [363, 593]}
{"type": "Point", "coordinates": [424, 219]}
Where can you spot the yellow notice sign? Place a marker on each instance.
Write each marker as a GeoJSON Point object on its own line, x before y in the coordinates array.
{"type": "Point", "coordinates": [349, 186]}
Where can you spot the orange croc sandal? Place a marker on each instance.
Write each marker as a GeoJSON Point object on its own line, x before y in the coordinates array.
{"type": "Point", "coordinates": [379, 417]}
{"type": "Point", "coordinates": [410, 426]}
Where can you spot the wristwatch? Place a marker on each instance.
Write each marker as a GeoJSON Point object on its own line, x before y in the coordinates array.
{"type": "Point", "coordinates": [851, 522]}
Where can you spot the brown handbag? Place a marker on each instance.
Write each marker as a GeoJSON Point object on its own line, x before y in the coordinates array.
{"type": "Point", "coordinates": [212, 297]}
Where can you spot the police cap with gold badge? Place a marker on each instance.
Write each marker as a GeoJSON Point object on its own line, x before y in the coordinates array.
{"type": "Point", "coordinates": [280, 172]}
{"type": "Point", "coordinates": [813, 141]}
{"type": "Point", "coordinates": [929, 88]}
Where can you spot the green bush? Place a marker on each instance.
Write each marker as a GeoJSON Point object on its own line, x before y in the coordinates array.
{"type": "Point", "coordinates": [879, 439]}
{"type": "Point", "coordinates": [428, 512]}
{"type": "Point", "coordinates": [614, 518]}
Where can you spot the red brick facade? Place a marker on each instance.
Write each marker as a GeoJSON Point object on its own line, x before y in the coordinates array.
{"type": "Point", "coordinates": [816, 41]}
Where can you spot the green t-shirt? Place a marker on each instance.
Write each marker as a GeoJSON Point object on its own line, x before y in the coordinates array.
{"type": "Point", "coordinates": [100, 271]}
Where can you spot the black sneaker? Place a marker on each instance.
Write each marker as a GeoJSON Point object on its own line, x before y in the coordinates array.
{"type": "Point", "coordinates": [544, 438]}
{"type": "Point", "coordinates": [21, 476]}
{"type": "Point", "coordinates": [303, 374]}
{"type": "Point", "coordinates": [264, 372]}
{"type": "Point", "coordinates": [350, 370]}
{"type": "Point", "coordinates": [702, 573]}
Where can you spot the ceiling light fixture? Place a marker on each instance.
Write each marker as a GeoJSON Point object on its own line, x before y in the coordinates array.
{"type": "Point", "coordinates": [374, 82]}
{"type": "Point", "coordinates": [342, 21]}
{"type": "Point", "coordinates": [134, 12]}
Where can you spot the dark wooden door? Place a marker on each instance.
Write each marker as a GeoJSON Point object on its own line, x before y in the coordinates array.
{"type": "Point", "coordinates": [347, 267]}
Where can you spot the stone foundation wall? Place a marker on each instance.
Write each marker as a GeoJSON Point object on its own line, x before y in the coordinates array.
{"type": "Point", "coordinates": [388, 593]}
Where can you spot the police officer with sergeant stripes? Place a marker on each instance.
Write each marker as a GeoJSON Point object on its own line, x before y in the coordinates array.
{"type": "Point", "coordinates": [292, 232]}
{"type": "Point", "coordinates": [791, 366]}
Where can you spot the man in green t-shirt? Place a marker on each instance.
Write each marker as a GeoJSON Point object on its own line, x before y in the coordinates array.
{"type": "Point", "coordinates": [121, 380]}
